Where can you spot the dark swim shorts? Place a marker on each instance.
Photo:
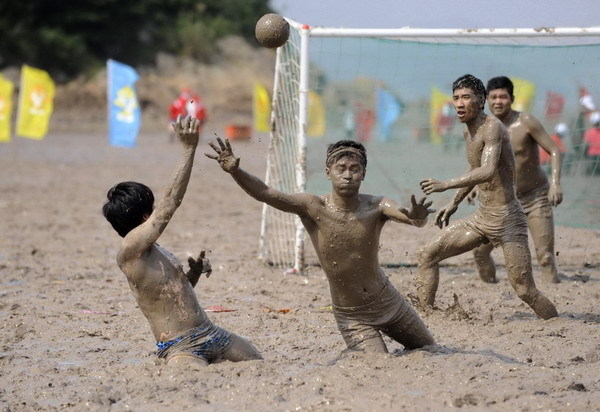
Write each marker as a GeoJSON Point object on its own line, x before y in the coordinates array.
{"type": "Point", "coordinates": [208, 342]}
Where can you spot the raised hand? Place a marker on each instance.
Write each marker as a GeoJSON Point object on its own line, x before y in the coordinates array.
{"type": "Point", "coordinates": [429, 186]}
{"type": "Point", "coordinates": [224, 155]}
{"type": "Point", "coordinates": [187, 130]}
{"type": "Point", "coordinates": [418, 211]}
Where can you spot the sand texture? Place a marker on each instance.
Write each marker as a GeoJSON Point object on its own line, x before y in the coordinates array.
{"type": "Point", "coordinates": [73, 338]}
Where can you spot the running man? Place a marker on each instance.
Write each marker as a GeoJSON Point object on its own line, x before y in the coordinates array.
{"type": "Point", "coordinates": [500, 219]}
{"type": "Point", "coordinates": [534, 191]}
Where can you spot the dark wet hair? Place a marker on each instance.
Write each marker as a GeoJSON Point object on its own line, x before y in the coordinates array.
{"type": "Point", "coordinates": [335, 151]}
{"type": "Point", "coordinates": [501, 82]}
{"type": "Point", "coordinates": [126, 205]}
{"type": "Point", "coordinates": [469, 81]}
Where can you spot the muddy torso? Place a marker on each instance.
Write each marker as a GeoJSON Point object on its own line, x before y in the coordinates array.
{"type": "Point", "coordinates": [347, 244]}
{"type": "Point", "coordinates": [164, 294]}
{"type": "Point", "coordinates": [529, 173]}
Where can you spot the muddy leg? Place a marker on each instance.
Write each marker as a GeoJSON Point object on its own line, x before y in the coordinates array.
{"type": "Point", "coordinates": [542, 233]}
{"type": "Point", "coordinates": [241, 350]}
{"type": "Point", "coordinates": [518, 267]}
{"type": "Point", "coordinates": [452, 241]}
{"type": "Point", "coordinates": [485, 263]}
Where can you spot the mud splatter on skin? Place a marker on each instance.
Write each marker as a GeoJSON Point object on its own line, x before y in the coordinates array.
{"type": "Point", "coordinates": [535, 192]}
{"type": "Point", "coordinates": [500, 218]}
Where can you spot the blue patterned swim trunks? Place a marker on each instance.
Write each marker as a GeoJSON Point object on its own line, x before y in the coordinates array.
{"type": "Point", "coordinates": [208, 342]}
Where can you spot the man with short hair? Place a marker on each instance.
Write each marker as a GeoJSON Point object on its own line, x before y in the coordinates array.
{"type": "Point", "coordinates": [536, 194]}
{"type": "Point", "coordinates": [500, 219]}
{"type": "Point", "coordinates": [162, 290]}
{"type": "Point", "coordinates": [344, 227]}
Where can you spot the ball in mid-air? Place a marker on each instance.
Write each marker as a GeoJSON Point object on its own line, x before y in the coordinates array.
{"type": "Point", "coordinates": [272, 30]}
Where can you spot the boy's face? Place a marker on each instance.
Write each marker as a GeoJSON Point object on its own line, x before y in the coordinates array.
{"type": "Point", "coordinates": [467, 104]}
{"type": "Point", "coordinates": [499, 102]}
{"type": "Point", "coordinates": [346, 174]}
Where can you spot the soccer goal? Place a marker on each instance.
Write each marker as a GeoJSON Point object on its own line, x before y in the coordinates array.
{"type": "Point", "coordinates": [391, 90]}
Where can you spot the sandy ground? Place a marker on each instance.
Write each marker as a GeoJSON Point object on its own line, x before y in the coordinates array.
{"type": "Point", "coordinates": [73, 338]}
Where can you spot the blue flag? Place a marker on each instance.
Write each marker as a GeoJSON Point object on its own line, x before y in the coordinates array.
{"type": "Point", "coordinates": [388, 110]}
{"type": "Point", "coordinates": [124, 114]}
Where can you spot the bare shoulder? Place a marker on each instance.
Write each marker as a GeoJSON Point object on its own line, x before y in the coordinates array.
{"type": "Point", "coordinates": [133, 247]}
{"type": "Point", "coordinates": [494, 129]}
{"type": "Point", "coordinates": [531, 123]}
{"type": "Point", "coordinates": [370, 201]}
{"type": "Point", "coordinates": [310, 201]}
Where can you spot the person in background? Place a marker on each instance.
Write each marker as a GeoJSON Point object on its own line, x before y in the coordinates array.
{"type": "Point", "coordinates": [536, 191]}
{"type": "Point", "coordinates": [591, 141]}
{"type": "Point", "coordinates": [187, 103]}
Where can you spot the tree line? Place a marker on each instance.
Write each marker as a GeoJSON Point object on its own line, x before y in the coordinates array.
{"type": "Point", "coordinates": [69, 38]}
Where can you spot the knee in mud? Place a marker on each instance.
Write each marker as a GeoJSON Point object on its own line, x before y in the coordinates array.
{"type": "Point", "coordinates": [425, 256]}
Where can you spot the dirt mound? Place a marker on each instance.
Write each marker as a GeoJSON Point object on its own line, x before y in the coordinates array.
{"type": "Point", "coordinates": [225, 85]}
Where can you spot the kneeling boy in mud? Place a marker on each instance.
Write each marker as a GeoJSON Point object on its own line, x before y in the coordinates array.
{"type": "Point", "coordinates": [344, 227]}
{"type": "Point", "coordinates": [164, 293]}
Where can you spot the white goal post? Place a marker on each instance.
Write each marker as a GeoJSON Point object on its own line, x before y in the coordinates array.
{"type": "Point", "coordinates": [282, 236]}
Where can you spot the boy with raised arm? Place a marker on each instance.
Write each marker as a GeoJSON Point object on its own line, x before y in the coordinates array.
{"type": "Point", "coordinates": [500, 219]}
{"type": "Point", "coordinates": [163, 291]}
{"type": "Point", "coordinates": [344, 227]}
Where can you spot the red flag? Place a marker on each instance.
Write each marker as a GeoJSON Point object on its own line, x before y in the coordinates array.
{"type": "Point", "coordinates": [554, 104]}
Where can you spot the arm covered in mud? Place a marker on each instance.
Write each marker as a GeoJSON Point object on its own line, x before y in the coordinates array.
{"type": "Point", "coordinates": [490, 156]}
{"type": "Point", "coordinates": [297, 203]}
{"type": "Point", "coordinates": [536, 130]}
{"type": "Point", "coordinates": [141, 238]}
{"type": "Point", "coordinates": [443, 217]}
{"type": "Point", "coordinates": [416, 216]}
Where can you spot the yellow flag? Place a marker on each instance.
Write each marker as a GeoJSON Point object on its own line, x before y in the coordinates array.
{"type": "Point", "coordinates": [262, 108]}
{"type": "Point", "coordinates": [36, 102]}
{"type": "Point", "coordinates": [441, 115]}
{"type": "Point", "coordinates": [6, 92]}
{"type": "Point", "coordinates": [316, 115]}
{"type": "Point", "coordinates": [524, 92]}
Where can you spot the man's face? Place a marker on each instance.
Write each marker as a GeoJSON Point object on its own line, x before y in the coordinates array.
{"type": "Point", "coordinates": [466, 104]}
{"type": "Point", "coordinates": [499, 102]}
{"type": "Point", "coordinates": [346, 175]}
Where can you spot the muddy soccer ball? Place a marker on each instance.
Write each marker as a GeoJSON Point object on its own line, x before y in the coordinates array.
{"type": "Point", "coordinates": [272, 30]}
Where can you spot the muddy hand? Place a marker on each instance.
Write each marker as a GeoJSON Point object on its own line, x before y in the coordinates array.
{"type": "Point", "coordinates": [200, 265]}
{"type": "Point", "coordinates": [418, 211]}
{"type": "Point", "coordinates": [187, 130]}
{"type": "Point", "coordinates": [472, 196]}
{"type": "Point", "coordinates": [224, 155]}
{"type": "Point", "coordinates": [429, 186]}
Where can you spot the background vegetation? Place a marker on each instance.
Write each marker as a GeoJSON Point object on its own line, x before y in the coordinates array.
{"type": "Point", "coordinates": [72, 38]}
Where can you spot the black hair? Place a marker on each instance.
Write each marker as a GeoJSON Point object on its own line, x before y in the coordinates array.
{"type": "Point", "coordinates": [501, 82]}
{"type": "Point", "coordinates": [334, 147]}
{"type": "Point", "coordinates": [469, 81]}
{"type": "Point", "coordinates": [126, 205]}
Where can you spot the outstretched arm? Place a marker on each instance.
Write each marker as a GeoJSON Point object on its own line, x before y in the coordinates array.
{"type": "Point", "coordinates": [536, 130]}
{"type": "Point", "coordinates": [292, 203]}
{"type": "Point", "coordinates": [416, 216]}
{"type": "Point", "coordinates": [142, 237]}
